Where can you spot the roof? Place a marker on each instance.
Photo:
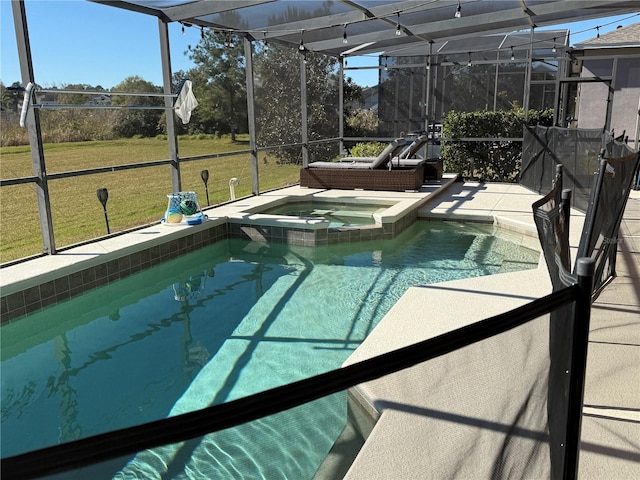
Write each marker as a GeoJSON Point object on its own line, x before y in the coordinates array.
{"type": "Point", "coordinates": [371, 26]}
{"type": "Point", "coordinates": [628, 36]}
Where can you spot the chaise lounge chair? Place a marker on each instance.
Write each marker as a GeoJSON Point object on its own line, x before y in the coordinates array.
{"type": "Point", "coordinates": [378, 174]}
{"type": "Point", "coordinates": [406, 157]}
{"type": "Point", "coordinates": [367, 163]}
{"type": "Point", "coordinates": [433, 167]}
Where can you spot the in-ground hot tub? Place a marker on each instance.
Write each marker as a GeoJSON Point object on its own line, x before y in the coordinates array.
{"type": "Point", "coordinates": [338, 214]}
{"type": "Point", "coordinates": [316, 220]}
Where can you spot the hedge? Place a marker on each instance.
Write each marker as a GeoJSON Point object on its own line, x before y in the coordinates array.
{"type": "Point", "coordinates": [489, 161]}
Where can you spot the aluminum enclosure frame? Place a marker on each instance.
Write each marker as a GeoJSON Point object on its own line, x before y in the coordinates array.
{"type": "Point", "coordinates": [384, 27]}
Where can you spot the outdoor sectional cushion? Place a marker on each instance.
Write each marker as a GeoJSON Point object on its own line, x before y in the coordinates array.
{"type": "Point", "coordinates": [342, 165]}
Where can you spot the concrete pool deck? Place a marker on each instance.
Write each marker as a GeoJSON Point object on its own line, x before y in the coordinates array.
{"type": "Point", "coordinates": [396, 413]}
{"type": "Point", "coordinates": [393, 450]}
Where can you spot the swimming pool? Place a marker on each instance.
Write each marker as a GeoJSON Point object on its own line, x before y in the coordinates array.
{"type": "Point", "coordinates": [221, 323]}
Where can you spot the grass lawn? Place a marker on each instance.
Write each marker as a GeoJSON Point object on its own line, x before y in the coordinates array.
{"type": "Point", "coordinates": [136, 197]}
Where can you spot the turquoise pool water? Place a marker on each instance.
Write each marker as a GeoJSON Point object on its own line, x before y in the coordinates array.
{"type": "Point", "coordinates": [221, 323]}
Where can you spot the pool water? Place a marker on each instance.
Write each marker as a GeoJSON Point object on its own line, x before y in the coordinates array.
{"type": "Point", "coordinates": [338, 215]}
{"type": "Point", "coordinates": [226, 321]}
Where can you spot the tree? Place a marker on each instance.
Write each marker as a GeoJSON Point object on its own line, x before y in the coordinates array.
{"type": "Point", "coordinates": [220, 86]}
{"type": "Point", "coordinates": [278, 99]}
{"type": "Point", "coordinates": [362, 123]}
{"type": "Point", "coordinates": [145, 122]}
{"type": "Point", "coordinates": [9, 96]}
{"type": "Point", "coordinates": [220, 83]}
{"type": "Point", "coordinates": [75, 98]}
{"type": "Point", "coordinates": [278, 109]}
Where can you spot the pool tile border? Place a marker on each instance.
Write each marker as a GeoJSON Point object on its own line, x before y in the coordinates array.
{"type": "Point", "coordinates": [33, 298]}
{"type": "Point", "coordinates": [54, 280]}
{"type": "Point", "coordinates": [36, 297]}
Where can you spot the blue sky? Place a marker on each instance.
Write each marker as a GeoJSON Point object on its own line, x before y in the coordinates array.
{"type": "Point", "coordinates": [79, 42]}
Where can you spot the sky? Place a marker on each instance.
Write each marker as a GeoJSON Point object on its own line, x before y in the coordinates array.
{"type": "Point", "coordinates": [80, 42]}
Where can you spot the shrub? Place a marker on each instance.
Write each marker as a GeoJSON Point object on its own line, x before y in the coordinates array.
{"type": "Point", "coordinates": [11, 134]}
{"type": "Point", "coordinates": [362, 123]}
{"type": "Point", "coordinates": [493, 161]}
{"type": "Point", "coordinates": [370, 149]}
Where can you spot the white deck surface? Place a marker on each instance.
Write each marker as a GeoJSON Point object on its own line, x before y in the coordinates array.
{"type": "Point", "coordinates": [397, 447]}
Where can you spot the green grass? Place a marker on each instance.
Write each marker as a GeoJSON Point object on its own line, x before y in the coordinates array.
{"type": "Point", "coordinates": [136, 197]}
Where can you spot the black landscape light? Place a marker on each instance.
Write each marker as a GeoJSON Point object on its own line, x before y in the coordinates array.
{"type": "Point", "coordinates": [204, 174]}
{"type": "Point", "coordinates": [103, 196]}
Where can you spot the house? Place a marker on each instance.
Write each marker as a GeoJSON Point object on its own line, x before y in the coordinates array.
{"type": "Point", "coordinates": [99, 100]}
{"type": "Point", "coordinates": [610, 63]}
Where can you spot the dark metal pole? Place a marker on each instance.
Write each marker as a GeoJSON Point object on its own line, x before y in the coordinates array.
{"type": "Point", "coordinates": [251, 115]}
{"type": "Point", "coordinates": [103, 196]}
{"type": "Point", "coordinates": [566, 207]}
{"type": "Point", "coordinates": [592, 210]}
{"type": "Point", "coordinates": [582, 315]}
{"type": "Point", "coordinates": [303, 108]}
{"type": "Point", "coordinates": [559, 170]}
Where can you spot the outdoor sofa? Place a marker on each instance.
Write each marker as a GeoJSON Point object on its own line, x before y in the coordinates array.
{"type": "Point", "coordinates": [395, 148]}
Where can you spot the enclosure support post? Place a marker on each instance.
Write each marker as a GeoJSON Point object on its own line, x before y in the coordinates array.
{"type": "Point", "coordinates": [341, 106]}
{"type": "Point", "coordinates": [251, 114]}
{"type": "Point", "coordinates": [430, 95]}
{"type": "Point", "coordinates": [527, 78]}
{"type": "Point", "coordinates": [610, 93]}
{"type": "Point", "coordinates": [581, 319]}
{"type": "Point", "coordinates": [495, 81]}
{"type": "Point", "coordinates": [442, 85]}
{"type": "Point", "coordinates": [303, 107]}
{"type": "Point", "coordinates": [637, 138]}
{"type": "Point", "coordinates": [422, 105]}
{"type": "Point", "coordinates": [33, 127]}
{"type": "Point", "coordinates": [168, 102]}
{"type": "Point", "coordinates": [561, 72]}
{"type": "Point", "coordinates": [412, 79]}
{"type": "Point", "coordinates": [396, 96]}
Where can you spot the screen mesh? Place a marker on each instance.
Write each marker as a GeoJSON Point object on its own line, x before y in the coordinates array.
{"type": "Point", "coordinates": [552, 224]}
{"type": "Point", "coordinates": [599, 238]}
{"type": "Point", "coordinates": [600, 172]}
{"type": "Point", "coordinates": [576, 149]}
